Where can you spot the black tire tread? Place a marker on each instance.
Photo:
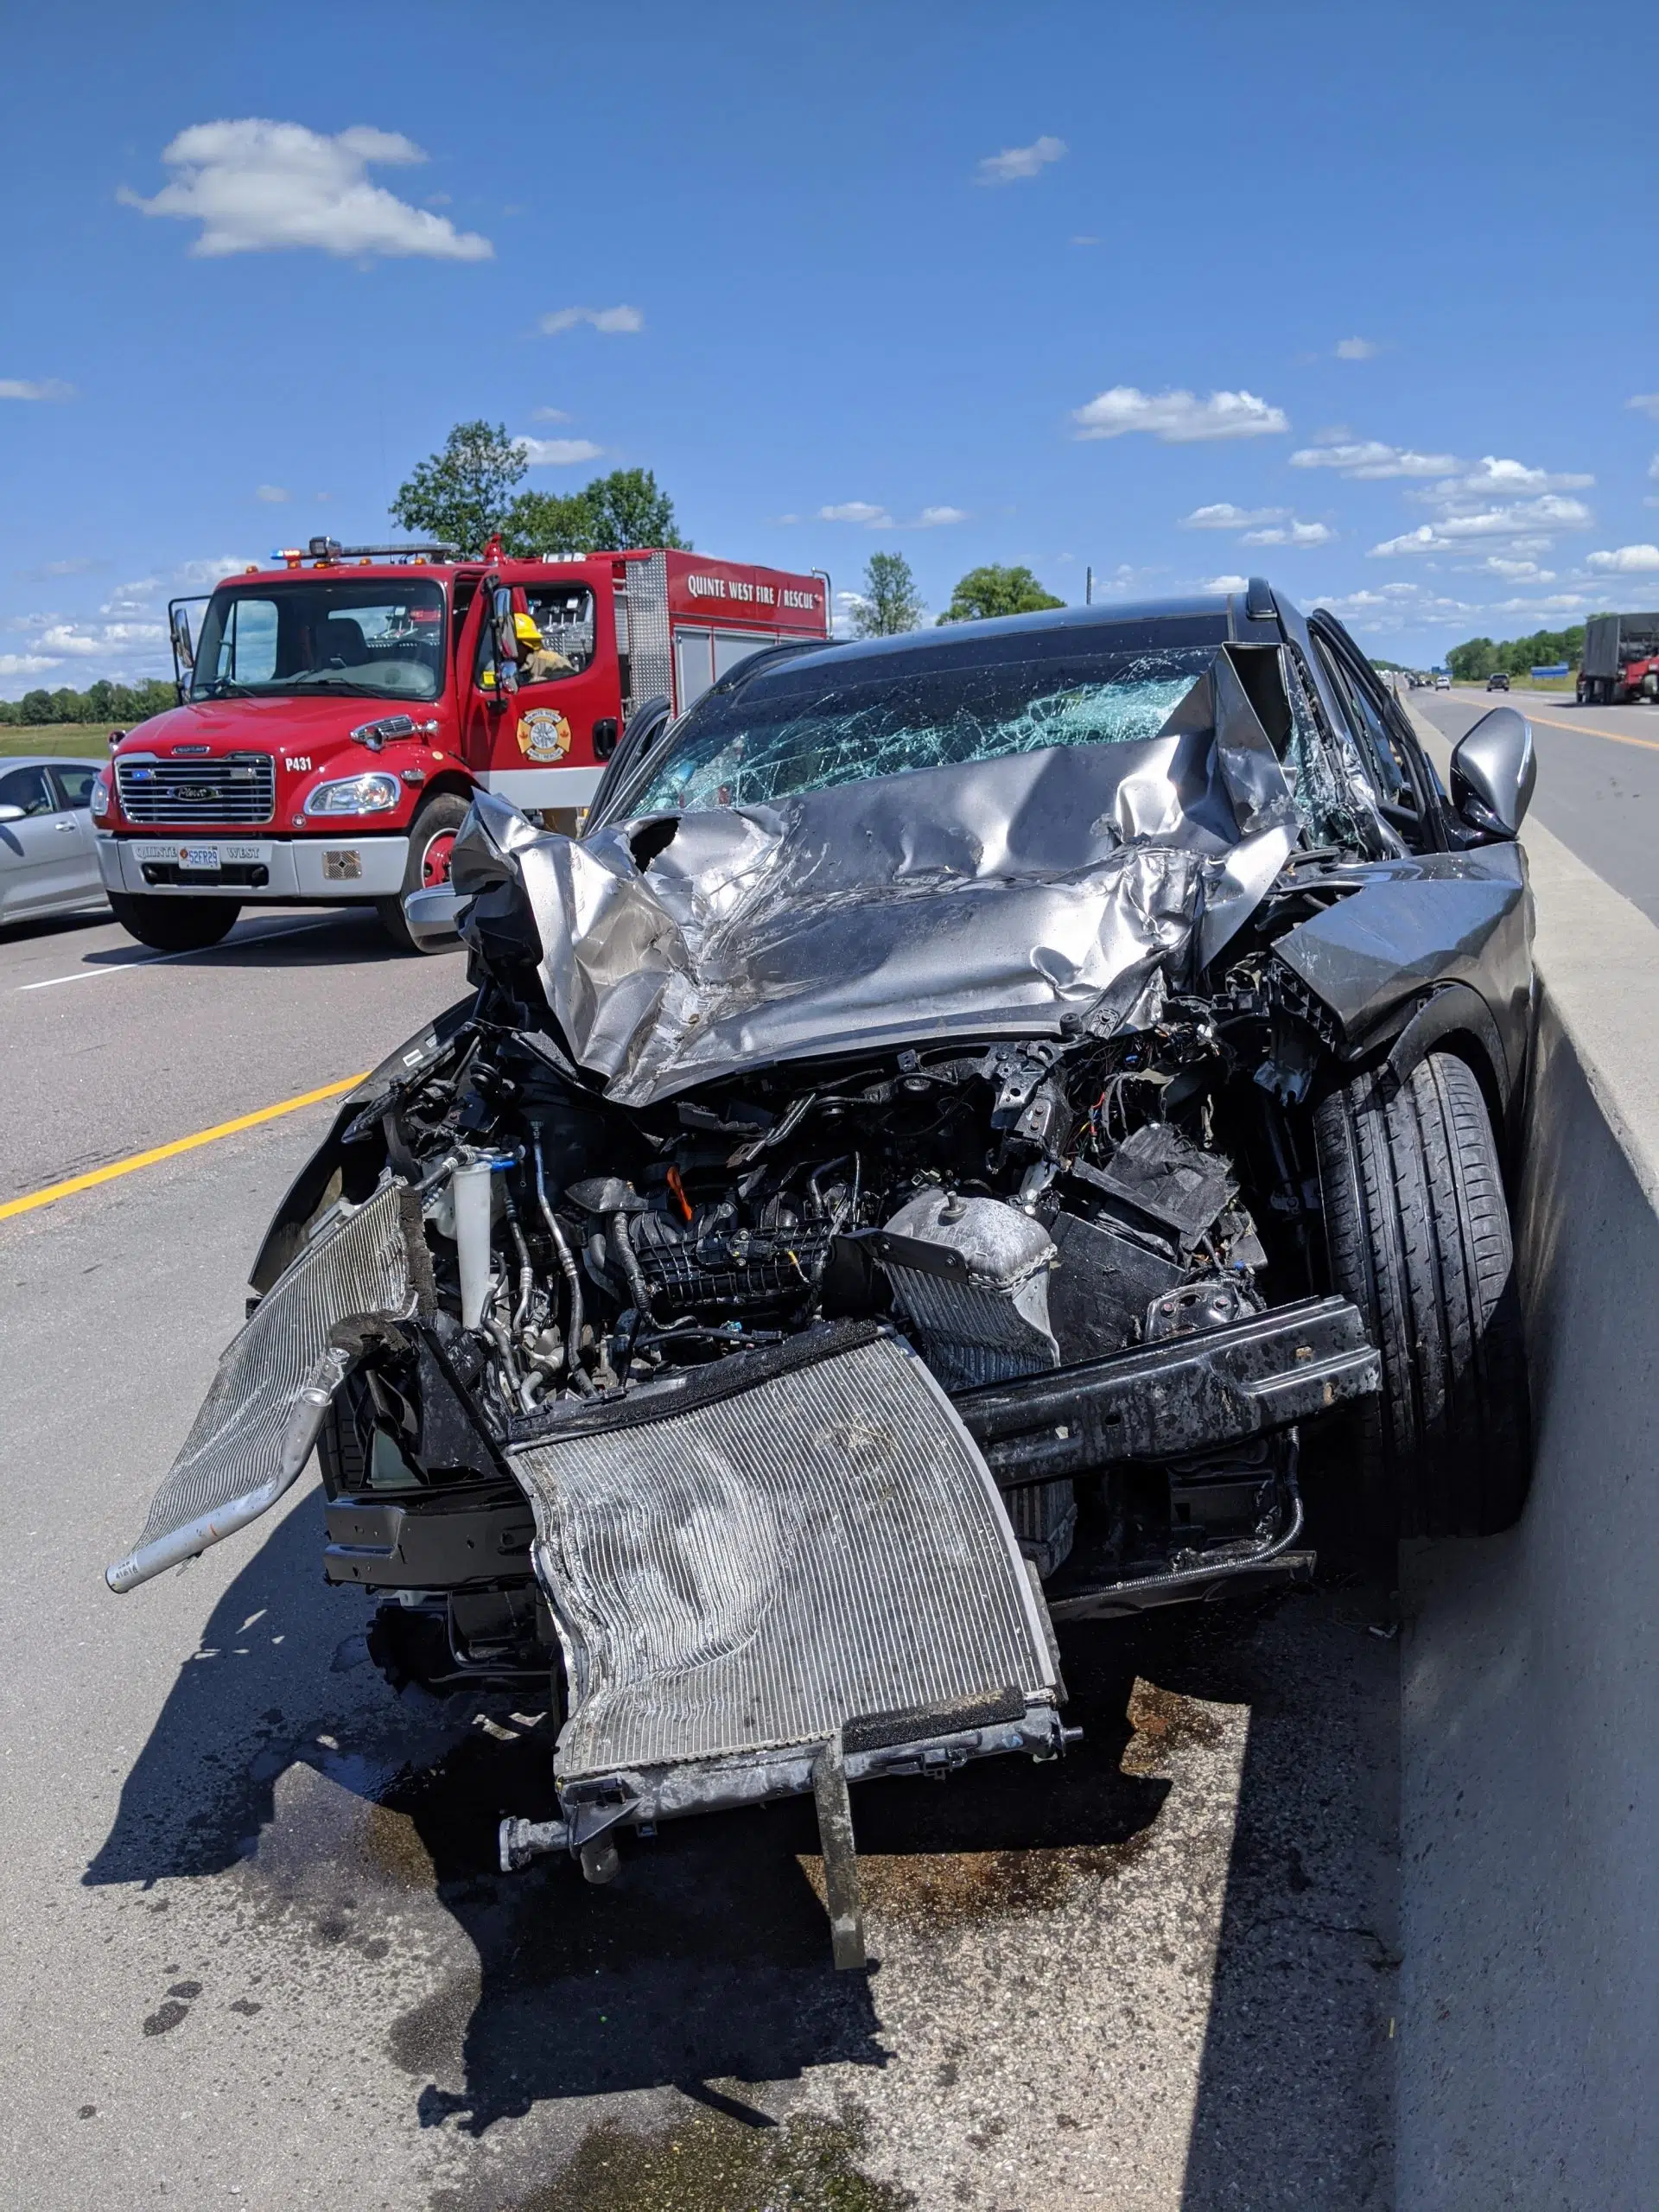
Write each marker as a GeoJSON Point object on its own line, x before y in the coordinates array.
{"type": "Point", "coordinates": [1417, 1232]}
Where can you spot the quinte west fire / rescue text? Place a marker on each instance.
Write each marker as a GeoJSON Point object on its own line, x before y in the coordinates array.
{"type": "Point", "coordinates": [338, 712]}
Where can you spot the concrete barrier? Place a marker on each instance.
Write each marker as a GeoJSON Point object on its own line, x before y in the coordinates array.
{"type": "Point", "coordinates": [1528, 2027]}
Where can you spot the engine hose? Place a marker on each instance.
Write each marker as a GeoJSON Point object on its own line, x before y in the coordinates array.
{"type": "Point", "coordinates": [574, 1367]}
{"type": "Point", "coordinates": [526, 1276]}
{"type": "Point", "coordinates": [627, 1260]}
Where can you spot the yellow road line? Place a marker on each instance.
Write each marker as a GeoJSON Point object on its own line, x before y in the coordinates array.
{"type": "Point", "coordinates": [55, 1190]}
{"type": "Point", "coordinates": [1588, 729]}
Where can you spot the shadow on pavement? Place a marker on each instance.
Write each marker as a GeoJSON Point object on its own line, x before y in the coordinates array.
{"type": "Point", "coordinates": [1296, 2097]}
{"type": "Point", "coordinates": [282, 1764]}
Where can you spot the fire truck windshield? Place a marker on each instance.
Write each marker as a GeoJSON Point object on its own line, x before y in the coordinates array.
{"type": "Point", "coordinates": [322, 632]}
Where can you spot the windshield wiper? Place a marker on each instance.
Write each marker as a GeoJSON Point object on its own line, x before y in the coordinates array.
{"type": "Point", "coordinates": [223, 687]}
{"type": "Point", "coordinates": [317, 677]}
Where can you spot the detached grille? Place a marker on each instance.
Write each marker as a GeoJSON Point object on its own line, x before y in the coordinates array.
{"type": "Point", "coordinates": [198, 791]}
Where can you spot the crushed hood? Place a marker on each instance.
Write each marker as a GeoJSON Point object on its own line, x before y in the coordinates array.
{"type": "Point", "coordinates": [1029, 892]}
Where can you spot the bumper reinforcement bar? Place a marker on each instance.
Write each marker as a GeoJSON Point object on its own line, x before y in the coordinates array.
{"type": "Point", "coordinates": [1165, 1400]}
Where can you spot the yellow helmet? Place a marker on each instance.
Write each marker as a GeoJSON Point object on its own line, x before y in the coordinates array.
{"type": "Point", "coordinates": [524, 630]}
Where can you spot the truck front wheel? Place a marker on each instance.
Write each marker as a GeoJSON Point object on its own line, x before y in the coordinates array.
{"type": "Point", "coordinates": [174, 924]}
{"type": "Point", "coordinates": [427, 866]}
{"type": "Point", "coordinates": [1418, 1234]}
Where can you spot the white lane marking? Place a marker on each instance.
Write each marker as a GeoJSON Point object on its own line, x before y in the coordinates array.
{"type": "Point", "coordinates": [156, 959]}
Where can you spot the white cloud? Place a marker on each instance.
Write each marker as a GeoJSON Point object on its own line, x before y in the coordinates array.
{"type": "Point", "coordinates": [1491, 478]}
{"type": "Point", "coordinates": [1369, 459]}
{"type": "Point", "coordinates": [558, 452]}
{"type": "Point", "coordinates": [1646, 403]}
{"type": "Point", "coordinates": [870, 516]}
{"type": "Point", "coordinates": [1226, 583]}
{"type": "Point", "coordinates": [1223, 515]}
{"type": "Point", "coordinates": [1015, 163]}
{"type": "Point", "coordinates": [137, 598]}
{"type": "Point", "coordinates": [1177, 417]}
{"type": "Point", "coordinates": [272, 494]}
{"type": "Point", "coordinates": [1514, 571]}
{"type": "Point", "coordinates": [82, 643]}
{"type": "Point", "coordinates": [1560, 602]}
{"type": "Point", "coordinates": [1085, 237]}
{"type": "Point", "coordinates": [27, 388]}
{"type": "Point", "coordinates": [548, 415]}
{"type": "Point", "coordinates": [1515, 521]}
{"type": "Point", "coordinates": [612, 321]}
{"type": "Point", "coordinates": [1625, 561]}
{"type": "Point", "coordinates": [257, 186]}
{"type": "Point", "coordinates": [1290, 533]}
{"type": "Point", "coordinates": [202, 575]}
{"type": "Point", "coordinates": [1355, 349]}
{"type": "Point", "coordinates": [1653, 466]}
{"type": "Point", "coordinates": [26, 664]}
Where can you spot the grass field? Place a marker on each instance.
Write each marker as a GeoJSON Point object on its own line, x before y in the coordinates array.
{"type": "Point", "coordinates": [82, 741]}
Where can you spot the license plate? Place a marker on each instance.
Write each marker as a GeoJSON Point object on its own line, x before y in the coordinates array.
{"type": "Point", "coordinates": [199, 856]}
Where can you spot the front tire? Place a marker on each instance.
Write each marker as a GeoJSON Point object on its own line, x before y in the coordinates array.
{"type": "Point", "coordinates": [174, 924]}
{"type": "Point", "coordinates": [1418, 1234]}
{"type": "Point", "coordinates": [430, 842]}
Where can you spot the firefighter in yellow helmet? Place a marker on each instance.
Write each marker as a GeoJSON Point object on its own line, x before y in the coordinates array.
{"type": "Point", "coordinates": [538, 662]}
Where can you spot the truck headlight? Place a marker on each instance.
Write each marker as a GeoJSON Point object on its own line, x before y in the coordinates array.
{"type": "Point", "coordinates": [374, 793]}
{"type": "Point", "coordinates": [100, 798]}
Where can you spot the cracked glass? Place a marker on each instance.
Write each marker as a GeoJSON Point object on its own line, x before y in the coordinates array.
{"type": "Point", "coordinates": [803, 731]}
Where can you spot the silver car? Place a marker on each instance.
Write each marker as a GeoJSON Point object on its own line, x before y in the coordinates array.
{"type": "Point", "coordinates": [48, 864]}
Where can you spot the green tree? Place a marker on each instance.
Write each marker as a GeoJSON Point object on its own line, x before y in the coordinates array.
{"type": "Point", "coordinates": [889, 602]}
{"type": "Point", "coordinates": [460, 497]}
{"type": "Point", "coordinates": [549, 522]}
{"type": "Point", "coordinates": [613, 513]}
{"type": "Point", "coordinates": [628, 509]}
{"type": "Point", "coordinates": [37, 707]}
{"type": "Point", "coordinates": [995, 590]}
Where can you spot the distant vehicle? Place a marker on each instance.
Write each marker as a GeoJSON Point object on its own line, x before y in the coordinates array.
{"type": "Point", "coordinates": [1620, 660]}
{"type": "Point", "coordinates": [49, 863]}
{"type": "Point", "coordinates": [1442, 681]}
{"type": "Point", "coordinates": [337, 714]}
{"type": "Point", "coordinates": [1498, 680]}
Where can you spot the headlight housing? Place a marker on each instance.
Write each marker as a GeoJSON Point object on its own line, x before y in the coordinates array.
{"type": "Point", "coordinates": [101, 801]}
{"type": "Point", "coordinates": [373, 794]}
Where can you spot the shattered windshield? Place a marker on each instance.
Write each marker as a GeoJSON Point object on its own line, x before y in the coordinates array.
{"type": "Point", "coordinates": [805, 727]}
{"type": "Point", "coordinates": [369, 640]}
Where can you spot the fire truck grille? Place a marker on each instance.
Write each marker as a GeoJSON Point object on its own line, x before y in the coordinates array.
{"type": "Point", "coordinates": [233, 789]}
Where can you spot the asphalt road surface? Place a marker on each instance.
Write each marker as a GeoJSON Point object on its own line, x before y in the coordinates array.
{"type": "Point", "coordinates": [1598, 777]}
{"type": "Point", "coordinates": [256, 1953]}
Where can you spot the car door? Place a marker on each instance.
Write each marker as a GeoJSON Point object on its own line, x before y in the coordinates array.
{"type": "Point", "coordinates": [39, 849]}
{"type": "Point", "coordinates": [1452, 910]}
{"type": "Point", "coordinates": [74, 780]}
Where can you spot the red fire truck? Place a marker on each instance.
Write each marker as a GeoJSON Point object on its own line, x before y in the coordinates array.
{"type": "Point", "coordinates": [337, 711]}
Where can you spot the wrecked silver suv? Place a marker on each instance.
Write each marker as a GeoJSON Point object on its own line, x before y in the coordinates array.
{"type": "Point", "coordinates": [911, 1172]}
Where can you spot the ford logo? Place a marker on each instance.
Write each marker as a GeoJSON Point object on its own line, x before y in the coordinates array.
{"type": "Point", "coordinates": [195, 791]}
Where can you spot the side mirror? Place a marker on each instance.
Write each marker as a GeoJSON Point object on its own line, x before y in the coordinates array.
{"type": "Point", "coordinates": [1494, 768]}
{"type": "Point", "coordinates": [433, 916]}
{"type": "Point", "coordinates": [11, 814]}
{"type": "Point", "coordinates": [604, 737]}
{"type": "Point", "coordinates": [182, 644]}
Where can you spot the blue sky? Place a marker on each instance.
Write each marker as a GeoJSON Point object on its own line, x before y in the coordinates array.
{"type": "Point", "coordinates": [1359, 299]}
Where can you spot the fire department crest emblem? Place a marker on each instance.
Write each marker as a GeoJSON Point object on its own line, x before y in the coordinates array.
{"type": "Point", "coordinates": [544, 734]}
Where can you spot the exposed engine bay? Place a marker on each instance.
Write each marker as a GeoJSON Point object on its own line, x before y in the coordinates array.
{"type": "Point", "coordinates": [843, 1235]}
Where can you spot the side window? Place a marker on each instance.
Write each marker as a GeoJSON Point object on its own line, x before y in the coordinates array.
{"type": "Point", "coordinates": [564, 615]}
{"type": "Point", "coordinates": [29, 789]}
{"type": "Point", "coordinates": [76, 782]}
{"type": "Point", "coordinates": [1383, 750]}
{"type": "Point", "coordinates": [248, 654]}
